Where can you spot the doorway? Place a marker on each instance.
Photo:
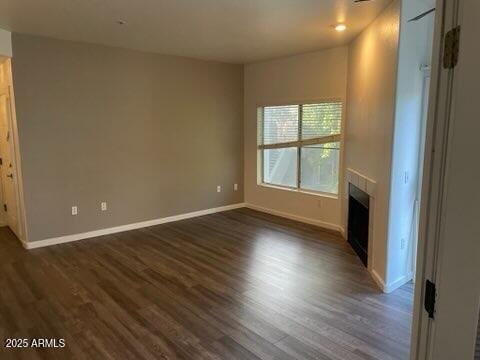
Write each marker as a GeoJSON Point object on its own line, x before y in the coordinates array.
{"type": "Point", "coordinates": [415, 55]}
{"type": "Point", "coordinates": [10, 181]}
{"type": "Point", "coordinates": [426, 71]}
{"type": "Point", "coordinates": [446, 312]}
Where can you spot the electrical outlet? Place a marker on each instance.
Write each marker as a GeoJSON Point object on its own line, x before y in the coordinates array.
{"type": "Point", "coordinates": [219, 189]}
{"type": "Point", "coordinates": [406, 177]}
{"type": "Point", "coordinates": [74, 210]}
{"type": "Point", "coordinates": [402, 243]}
{"type": "Point", "coordinates": [235, 187]}
{"type": "Point", "coordinates": [103, 206]}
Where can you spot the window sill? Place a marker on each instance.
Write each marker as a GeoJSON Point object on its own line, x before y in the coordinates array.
{"type": "Point", "coordinates": [299, 191]}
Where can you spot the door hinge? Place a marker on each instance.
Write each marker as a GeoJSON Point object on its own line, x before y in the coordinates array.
{"type": "Point", "coordinates": [1, 161]}
{"type": "Point", "coordinates": [5, 207]}
{"type": "Point", "coordinates": [430, 297]}
{"type": "Point", "coordinates": [452, 48]}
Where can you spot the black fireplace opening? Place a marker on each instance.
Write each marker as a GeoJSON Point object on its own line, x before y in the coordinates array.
{"type": "Point", "coordinates": [358, 221]}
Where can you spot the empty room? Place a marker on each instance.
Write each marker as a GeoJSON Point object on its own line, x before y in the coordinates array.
{"type": "Point", "coordinates": [232, 179]}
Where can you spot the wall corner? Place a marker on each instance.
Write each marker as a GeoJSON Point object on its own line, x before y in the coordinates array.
{"type": "Point", "coordinates": [5, 43]}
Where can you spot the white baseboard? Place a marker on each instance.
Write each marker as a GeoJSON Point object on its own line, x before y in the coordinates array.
{"type": "Point", "coordinates": [378, 280]}
{"type": "Point", "coordinates": [392, 286]}
{"type": "Point", "coordinates": [387, 288]}
{"type": "Point", "coordinates": [143, 224]}
{"type": "Point", "coordinates": [117, 229]}
{"type": "Point", "coordinates": [319, 223]}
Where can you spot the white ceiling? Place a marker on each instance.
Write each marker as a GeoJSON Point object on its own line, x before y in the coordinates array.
{"type": "Point", "coordinates": [236, 31]}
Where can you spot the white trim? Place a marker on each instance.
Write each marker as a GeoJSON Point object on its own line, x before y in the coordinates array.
{"type": "Point", "coordinates": [378, 280]}
{"type": "Point", "coordinates": [402, 280]}
{"type": "Point", "coordinates": [434, 180]}
{"type": "Point", "coordinates": [314, 101]}
{"type": "Point", "coordinates": [361, 181]}
{"type": "Point", "coordinates": [394, 285]}
{"type": "Point", "coordinates": [319, 223]}
{"type": "Point", "coordinates": [299, 190]}
{"type": "Point", "coordinates": [143, 224]}
{"type": "Point", "coordinates": [121, 228]}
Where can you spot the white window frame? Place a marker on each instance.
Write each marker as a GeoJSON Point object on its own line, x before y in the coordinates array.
{"type": "Point", "coordinates": [299, 144]}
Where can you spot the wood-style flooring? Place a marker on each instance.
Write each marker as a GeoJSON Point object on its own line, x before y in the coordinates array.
{"type": "Point", "coordinates": [234, 285]}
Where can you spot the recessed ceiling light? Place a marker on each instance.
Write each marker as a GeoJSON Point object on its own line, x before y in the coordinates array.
{"type": "Point", "coordinates": [341, 27]}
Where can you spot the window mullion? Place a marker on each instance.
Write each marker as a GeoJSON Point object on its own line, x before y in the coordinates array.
{"type": "Point", "coordinates": [299, 148]}
{"type": "Point", "coordinates": [263, 143]}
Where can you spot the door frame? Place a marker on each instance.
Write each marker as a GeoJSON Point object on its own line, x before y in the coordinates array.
{"type": "Point", "coordinates": [426, 73]}
{"type": "Point", "coordinates": [15, 150]}
{"type": "Point", "coordinates": [435, 182]}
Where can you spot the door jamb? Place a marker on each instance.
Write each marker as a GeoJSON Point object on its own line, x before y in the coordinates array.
{"type": "Point", "coordinates": [434, 178]}
{"type": "Point", "coordinates": [16, 159]}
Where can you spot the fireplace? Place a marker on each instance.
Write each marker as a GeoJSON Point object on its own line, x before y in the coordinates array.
{"type": "Point", "coordinates": [358, 221]}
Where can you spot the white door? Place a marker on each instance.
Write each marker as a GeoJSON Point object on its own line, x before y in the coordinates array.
{"type": "Point", "coordinates": [7, 169]}
{"type": "Point", "coordinates": [452, 247]}
{"type": "Point", "coordinates": [458, 274]}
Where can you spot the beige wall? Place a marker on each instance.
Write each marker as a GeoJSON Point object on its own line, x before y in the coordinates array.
{"type": "Point", "coordinates": [5, 43]}
{"type": "Point", "coordinates": [296, 79]}
{"type": "Point", "coordinates": [152, 135]}
{"type": "Point", "coordinates": [372, 70]}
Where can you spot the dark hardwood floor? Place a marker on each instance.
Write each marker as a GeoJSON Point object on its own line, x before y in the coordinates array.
{"type": "Point", "coordinates": [234, 285]}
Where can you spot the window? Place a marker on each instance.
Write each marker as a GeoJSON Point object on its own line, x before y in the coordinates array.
{"type": "Point", "coordinates": [300, 146]}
